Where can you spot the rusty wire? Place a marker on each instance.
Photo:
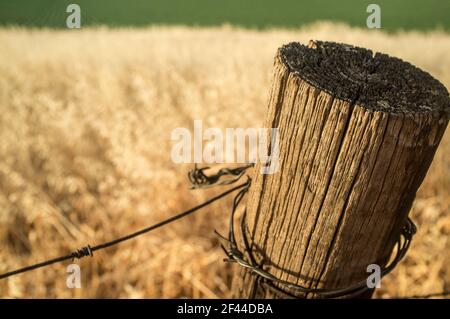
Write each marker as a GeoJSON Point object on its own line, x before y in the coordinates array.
{"type": "Point", "coordinates": [271, 282]}
{"type": "Point", "coordinates": [199, 179]}
{"type": "Point", "coordinates": [234, 254]}
{"type": "Point", "coordinates": [88, 250]}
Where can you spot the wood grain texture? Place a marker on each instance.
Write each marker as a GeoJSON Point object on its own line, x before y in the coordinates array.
{"type": "Point", "coordinates": [349, 171]}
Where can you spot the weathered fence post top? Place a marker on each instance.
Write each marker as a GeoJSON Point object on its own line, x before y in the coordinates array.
{"type": "Point", "coordinates": [357, 132]}
{"type": "Point", "coordinates": [374, 81]}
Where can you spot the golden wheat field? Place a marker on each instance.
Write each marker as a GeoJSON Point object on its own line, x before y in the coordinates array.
{"type": "Point", "coordinates": [85, 123]}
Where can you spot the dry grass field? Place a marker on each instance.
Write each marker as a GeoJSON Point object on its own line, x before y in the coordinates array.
{"type": "Point", "coordinates": [85, 123]}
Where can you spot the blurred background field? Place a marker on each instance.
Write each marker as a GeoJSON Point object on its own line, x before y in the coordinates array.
{"type": "Point", "coordinates": [85, 127]}
{"type": "Point", "coordinates": [86, 117]}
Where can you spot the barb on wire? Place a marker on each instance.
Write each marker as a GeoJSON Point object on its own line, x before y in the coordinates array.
{"type": "Point", "coordinates": [89, 251]}
{"type": "Point", "coordinates": [199, 179]}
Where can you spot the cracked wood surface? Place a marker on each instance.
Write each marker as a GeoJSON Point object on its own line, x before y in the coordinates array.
{"type": "Point", "coordinates": [348, 176]}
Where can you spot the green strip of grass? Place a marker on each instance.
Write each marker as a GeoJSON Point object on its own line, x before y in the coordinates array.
{"type": "Point", "coordinates": [395, 14]}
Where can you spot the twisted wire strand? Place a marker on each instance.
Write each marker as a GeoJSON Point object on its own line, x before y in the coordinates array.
{"type": "Point", "coordinates": [234, 254]}
{"type": "Point", "coordinates": [89, 251]}
{"type": "Point", "coordinates": [199, 179]}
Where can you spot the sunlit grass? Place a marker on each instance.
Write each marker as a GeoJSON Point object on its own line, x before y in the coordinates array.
{"type": "Point", "coordinates": [85, 122]}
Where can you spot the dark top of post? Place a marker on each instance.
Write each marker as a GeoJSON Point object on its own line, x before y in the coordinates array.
{"type": "Point", "coordinates": [374, 81]}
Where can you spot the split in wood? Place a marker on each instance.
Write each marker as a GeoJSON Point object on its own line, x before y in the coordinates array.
{"type": "Point", "coordinates": [357, 134]}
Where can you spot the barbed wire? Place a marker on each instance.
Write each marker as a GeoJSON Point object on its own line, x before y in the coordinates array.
{"type": "Point", "coordinates": [234, 254]}
{"type": "Point", "coordinates": [269, 281]}
{"type": "Point", "coordinates": [89, 251]}
{"type": "Point", "coordinates": [199, 179]}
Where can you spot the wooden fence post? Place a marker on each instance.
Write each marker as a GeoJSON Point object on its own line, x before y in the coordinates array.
{"type": "Point", "coordinates": [357, 134]}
